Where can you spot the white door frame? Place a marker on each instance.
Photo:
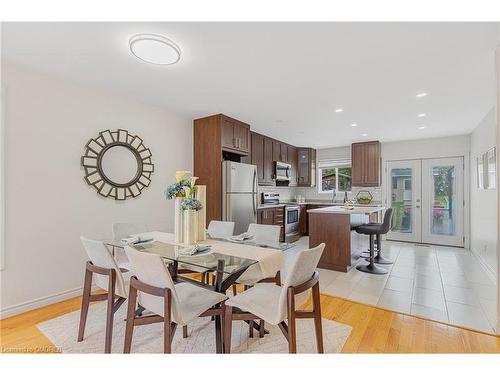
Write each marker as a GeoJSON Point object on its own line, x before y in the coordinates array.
{"type": "Point", "coordinates": [416, 189]}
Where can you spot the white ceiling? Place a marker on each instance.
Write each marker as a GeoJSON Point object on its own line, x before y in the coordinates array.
{"type": "Point", "coordinates": [286, 79]}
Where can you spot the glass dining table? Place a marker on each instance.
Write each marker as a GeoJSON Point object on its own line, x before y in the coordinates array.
{"type": "Point", "coordinates": [227, 268]}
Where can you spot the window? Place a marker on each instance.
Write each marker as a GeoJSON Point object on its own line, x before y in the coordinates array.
{"type": "Point", "coordinates": [334, 177]}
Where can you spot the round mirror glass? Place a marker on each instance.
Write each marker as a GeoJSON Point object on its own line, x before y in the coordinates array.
{"type": "Point", "coordinates": [119, 165]}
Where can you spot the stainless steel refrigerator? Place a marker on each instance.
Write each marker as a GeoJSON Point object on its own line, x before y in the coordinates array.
{"type": "Point", "coordinates": [239, 194]}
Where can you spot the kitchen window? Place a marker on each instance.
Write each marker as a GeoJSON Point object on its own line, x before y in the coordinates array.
{"type": "Point", "coordinates": [334, 175]}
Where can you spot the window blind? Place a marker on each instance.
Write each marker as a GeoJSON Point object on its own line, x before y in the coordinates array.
{"type": "Point", "coordinates": [335, 163]}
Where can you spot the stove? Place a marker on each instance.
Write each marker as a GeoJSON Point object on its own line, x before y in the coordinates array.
{"type": "Point", "coordinates": [292, 233]}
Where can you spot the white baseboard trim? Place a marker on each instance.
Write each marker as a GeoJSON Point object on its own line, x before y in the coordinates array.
{"type": "Point", "coordinates": [39, 302]}
{"type": "Point", "coordinates": [487, 267]}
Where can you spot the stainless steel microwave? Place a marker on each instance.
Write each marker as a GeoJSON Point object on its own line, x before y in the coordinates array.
{"type": "Point", "coordinates": [282, 171]}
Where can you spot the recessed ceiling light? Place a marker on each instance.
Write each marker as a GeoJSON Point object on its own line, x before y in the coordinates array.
{"type": "Point", "coordinates": [421, 95]}
{"type": "Point", "coordinates": [421, 115]}
{"type": "Point", "coordinates": [339, 110]}
{"type": "Point", "coordinates": [354, 125]}
{"type": "Point", "coordinates": [421, 127]}
{"type": "Point", "coordinates": [154, 49]}
{"type": "Point", "coordinates": [364, 135]}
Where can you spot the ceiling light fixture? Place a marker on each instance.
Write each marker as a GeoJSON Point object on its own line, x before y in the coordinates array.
{"type": "Point", "coordinates": [154, 49]}
{"type": "Point", "coordinates": [421, 127]}
{"type": "Point", "coordinates": [339, 110]}
{"type": "Point", "coordinates": [364, 135]}
{"type": "Point", "coordinates": [421, 95]}
{"type": "Point", "coordinates": [354, 125]}
{"type": "Point", "coordinates": [421, 115]}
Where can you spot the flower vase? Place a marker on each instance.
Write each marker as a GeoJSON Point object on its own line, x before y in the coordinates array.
{"type": "Point", "coordinates": [190, 232]}
{"type": "Point", "coordinates": [178, 222]}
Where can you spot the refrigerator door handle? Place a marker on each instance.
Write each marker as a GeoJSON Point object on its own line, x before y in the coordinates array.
{"type": "Point", "coordinates": [254, 193]}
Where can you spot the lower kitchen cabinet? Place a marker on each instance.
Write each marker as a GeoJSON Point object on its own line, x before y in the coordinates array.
{"type": "Point", "coordinates": [303, 230]}
{"type": "Point", "coordinates": [273, 216]}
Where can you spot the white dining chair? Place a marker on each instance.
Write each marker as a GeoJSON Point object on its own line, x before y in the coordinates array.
{"type": "Point", "coordinates": [263, 234]}
{"type": "Point", "coordinates": [220, 229]}
{"type": "Point", "coordinates": [274, 303]}
{"type": "Point", "coordinates": [109, 277]}
{"type": "Point", "coordinates": [152, 287]}
{"type": "Point", "coordinates": [123, 230]}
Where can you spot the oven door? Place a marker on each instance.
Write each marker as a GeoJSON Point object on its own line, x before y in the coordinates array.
{"type": "Point", "coordinates": [291, 219]}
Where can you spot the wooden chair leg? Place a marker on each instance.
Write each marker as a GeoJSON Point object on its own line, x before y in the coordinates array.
{"type": "Point", "coordinates": [262, 329]}
{"type": "Point", "coordinates": [250, 328]}
{"type": "Point", "coordinates": [87, 286]}
{"type": "Point", "coordinates": [235, 292]}
{"type": "Point", "coordinates": [317, 317]}
{"type": "Point", "coordinates": [184, 331]}
{"type": "Point", "coordinates": [110, 312]}
{"type": "Point", "coordinates": [129, 328]}
{"type": "Point", "coordinates": [167, 322]}
{"type": "Point", "coordinates": [292, 333]}
{"type": "Point", "coordinates": [228, 325]}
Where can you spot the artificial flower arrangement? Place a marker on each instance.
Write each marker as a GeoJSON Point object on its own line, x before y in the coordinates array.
{"type": "Point", "coordinates": [184, 187]}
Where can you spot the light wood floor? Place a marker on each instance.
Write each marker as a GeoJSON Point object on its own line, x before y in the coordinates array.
{"type": "Point", "coordinates": [374, 330]}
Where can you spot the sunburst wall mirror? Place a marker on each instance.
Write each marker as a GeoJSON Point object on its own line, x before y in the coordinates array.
{"type": "Point", "coordinates": [117, 164]}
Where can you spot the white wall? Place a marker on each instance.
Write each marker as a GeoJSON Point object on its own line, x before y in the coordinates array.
{"type": "Point", "coordinates": [484, 221]}
{"type": "Point", "coordinates": [48, 122]}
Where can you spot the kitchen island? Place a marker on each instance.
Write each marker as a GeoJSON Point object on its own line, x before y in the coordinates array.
{"type": "Point", "coordinates": [334, 226]}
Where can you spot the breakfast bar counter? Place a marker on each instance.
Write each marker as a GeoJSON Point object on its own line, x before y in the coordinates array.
{"type": "Point", "coordinates": [334, 226]}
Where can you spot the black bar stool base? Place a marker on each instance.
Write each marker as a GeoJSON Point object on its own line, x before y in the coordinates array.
{"type": "Point", "coordinates": [380, 260]}
{"type": "Point", "coordinates": [368, 268]}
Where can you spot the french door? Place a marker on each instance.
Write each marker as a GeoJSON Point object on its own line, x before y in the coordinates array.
{"type": "Point", "coordinates": [427, 196]}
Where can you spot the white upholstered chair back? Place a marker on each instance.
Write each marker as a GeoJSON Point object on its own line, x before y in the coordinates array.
{"type": "Point", "coordinates": [100, 256]}
{"type": "Point", "coordinates": [150, 269]}
{"type": "Point", "coordinates": [122, 230]}
{"type": "Point", "coordinates": [300, 270]}
{"type": "Point", "coordinates": [265, 233]}
{"type": "Point", "coordinates": [220, 229]}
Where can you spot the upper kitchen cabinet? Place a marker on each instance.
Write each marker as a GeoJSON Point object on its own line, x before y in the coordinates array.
{"type": "Point", "coordinates": [307, 167]}
{"type": "Point", "coordinates": [235, 135]}
{"type": "Point", "coordinates": [292, 159]}
{"type": "Point", "coordinates": [262, 157]}
{"type": "Point", "coordinates": [366, 164]}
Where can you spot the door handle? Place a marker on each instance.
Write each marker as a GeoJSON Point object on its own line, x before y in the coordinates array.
{"type": "Point", "coordinates": [417, 206]}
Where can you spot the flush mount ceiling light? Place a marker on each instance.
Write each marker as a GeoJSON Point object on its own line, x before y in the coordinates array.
{"type": "Point", "coordinates": [421, 115]}
{"type": "Point", "coordinates": [421, 95]}
{"type": "Point", "coordinates": [154, 49]}
{"type": "Point", "coordinates": [364, 135]}
{"type": "Point", "coordinates": [421, 127]}
{"type": "Point", "coordinates": [354, 125]}
{"type": "Point", "coordinates": [339, 110]}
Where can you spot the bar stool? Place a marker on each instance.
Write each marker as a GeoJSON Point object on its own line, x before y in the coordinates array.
{"type": "Point", "coordinates": [376, 230]}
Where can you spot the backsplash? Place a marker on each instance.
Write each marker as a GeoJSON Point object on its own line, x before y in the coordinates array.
{"type": "Point", "coordinates": [289, 193]}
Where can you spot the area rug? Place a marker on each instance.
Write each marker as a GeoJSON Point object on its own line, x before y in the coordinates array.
{"type": "Point", "coordinates": [62, 332]}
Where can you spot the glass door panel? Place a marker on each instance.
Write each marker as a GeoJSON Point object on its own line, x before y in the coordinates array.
{"type": "Point", "coordinates": [404, 198]}
{"type": "Point", "coordinates": [442, 211]}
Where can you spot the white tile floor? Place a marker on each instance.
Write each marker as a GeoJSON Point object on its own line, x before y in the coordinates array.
{"type": "Point", "coordinates": [440, 283]}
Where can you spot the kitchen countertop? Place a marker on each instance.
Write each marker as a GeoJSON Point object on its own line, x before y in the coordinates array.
{"type": "Point", "coordinates": [314, 202]}
{"type": "Point", "coordinates": [341, 210]}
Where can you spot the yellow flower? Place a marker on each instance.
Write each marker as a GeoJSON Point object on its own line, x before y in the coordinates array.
{"type": "Point", "coordinates": [193, 181]}
{"type": "Point", "coordinates": [181, 175]}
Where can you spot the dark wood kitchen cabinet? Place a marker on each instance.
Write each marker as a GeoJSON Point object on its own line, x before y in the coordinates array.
{"type": "Point", "coordinates": [273, 216]}
{"type": "Point", "coordinates": [366, 164]}
{"type": "Point", "coordinates": [292, 158]}
{"type": "Point", "coordinates": [235, 135]}
{"type": "Point", "coordinates": [212, 136]}
{"type": "Point", "coordinates": [306, 167]}
{"type": "Point", "coordinates": [303, 219]}
{"type": "Point", "coordinates": [262, 157]}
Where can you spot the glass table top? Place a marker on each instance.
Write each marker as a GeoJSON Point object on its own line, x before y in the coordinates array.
{"type": "Point", "coordinates": [208, 260]}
